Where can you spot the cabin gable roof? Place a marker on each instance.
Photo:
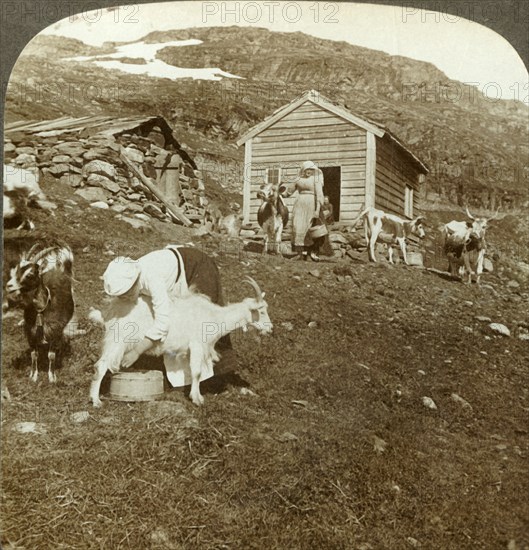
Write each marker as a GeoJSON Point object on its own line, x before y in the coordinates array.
{"type": "Point", "coordinates": [315, 97]}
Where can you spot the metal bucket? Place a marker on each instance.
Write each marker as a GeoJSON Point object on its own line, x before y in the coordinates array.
{"type": "Point", "coordinates": [316, 231]}
{"type": "Point", "coordinates": [136, 386]}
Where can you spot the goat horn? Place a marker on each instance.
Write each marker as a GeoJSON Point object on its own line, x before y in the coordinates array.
{"type": "Point", "coordinates": [41, 254]}
{"type": "Point", "coordinates": [495, 214]}
{"type": "Point", "coordinates": [469, 214]}
{"type": "Point", "coordinates": [255, 286]}
{"type": "Point", "coordinates": [31, 251]}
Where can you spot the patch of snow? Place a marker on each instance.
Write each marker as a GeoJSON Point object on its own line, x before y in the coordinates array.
{"type": "Point", "coordinates": [153, 67]}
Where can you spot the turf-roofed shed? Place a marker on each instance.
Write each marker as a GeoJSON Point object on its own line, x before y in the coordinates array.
{"type": "Point", "coordinates": [362, 162]}
{"type": "Point", "coordinates": [153, 128]}
{"type": "Point", "coordinates": [133, 165]}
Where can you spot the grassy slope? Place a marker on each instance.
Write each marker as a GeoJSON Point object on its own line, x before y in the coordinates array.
{"type": "Point", "coordinates": [262, 471]}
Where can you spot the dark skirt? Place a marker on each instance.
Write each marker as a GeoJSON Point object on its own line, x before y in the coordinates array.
{"type": "Point", "coordinates": [202, 272]}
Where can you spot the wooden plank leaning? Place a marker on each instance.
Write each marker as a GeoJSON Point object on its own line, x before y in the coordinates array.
{"type": "Point", "coordinates": [172, 209]}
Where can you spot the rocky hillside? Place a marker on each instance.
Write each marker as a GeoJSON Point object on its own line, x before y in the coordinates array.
{"type": "Point", "coordinates": [474, 146]}
{"type": "Point", "coordinates": [388, 409]}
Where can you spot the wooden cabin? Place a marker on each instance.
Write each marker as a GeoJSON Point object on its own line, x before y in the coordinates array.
{"type": "Point", "coordinates": [362, 162]}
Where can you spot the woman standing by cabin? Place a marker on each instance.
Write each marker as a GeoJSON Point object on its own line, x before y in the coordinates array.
{"type": "Point", "coordinates": [307, 209]}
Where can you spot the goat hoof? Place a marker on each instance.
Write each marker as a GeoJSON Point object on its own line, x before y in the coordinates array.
{"type": "Point", "coordinates": [198, 401]}
{"type": "Point", "coordinates": [97, 403]}
{"type": "Point", "coordinates": [33, 376]}
{"type": "Point", "coordinates": [52, 377]}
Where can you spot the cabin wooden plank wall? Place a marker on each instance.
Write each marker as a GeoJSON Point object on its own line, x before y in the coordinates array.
{"type": "Point", "coordinates": [311, 133]}
{"type": "Point", "coordinates": [394, 172]}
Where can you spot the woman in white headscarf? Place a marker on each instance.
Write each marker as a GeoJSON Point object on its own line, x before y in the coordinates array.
{"type": "Point", "coordinates": [159, 275]}
{"type": "Point", "coordinates": [306, 209]}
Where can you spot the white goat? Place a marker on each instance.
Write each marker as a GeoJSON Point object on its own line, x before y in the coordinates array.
{"type": "Point", "coordinates": [196, 325]}
{"type": "Point", "coordinates": [21, 190]}
{"type": "Point", "coordinates": [382, 227]}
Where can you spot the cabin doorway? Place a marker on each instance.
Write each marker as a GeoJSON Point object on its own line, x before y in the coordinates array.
{"type": "Point", "coordinates": [332, 188]}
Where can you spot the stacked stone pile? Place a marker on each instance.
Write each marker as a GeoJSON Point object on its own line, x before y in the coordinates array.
{"type": "Point", "coordinates": [343, 242]}
{"type": "Point", "coordinates": [93, 167]}
{"type": "Point", "coordinates": [340, 238]}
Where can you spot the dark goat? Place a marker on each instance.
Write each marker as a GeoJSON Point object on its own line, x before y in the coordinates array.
{"type": "Point", "coordinates": [466, 258]}
{"type": "Point", "coordinates": [465, 246]}
{"type": "Point", "coordinates": [41, 283]}
{"type": "Point", "coordinates": [272, 216]}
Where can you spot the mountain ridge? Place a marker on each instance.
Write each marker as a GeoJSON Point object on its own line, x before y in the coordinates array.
{"type": "Point", "coordinates": [474, 143]}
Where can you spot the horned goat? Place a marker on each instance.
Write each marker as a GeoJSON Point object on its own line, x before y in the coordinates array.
{"type": "Point", "coordinates": [195, 327]}
{"type": "Point", "coordinates": [41, 283]}
{"type": "Point", "coordinates": [465, 246]}
{"type": "Point", "coordinates": [272, 216]}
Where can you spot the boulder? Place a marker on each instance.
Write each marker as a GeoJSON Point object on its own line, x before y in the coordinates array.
{"type": "Point", "coordinates": [487, 265]}
{"type": "Point", "coordinates": [93, 194]}
{"type": "Point", "coordinates": [46, 155]}
{"type": "Point", "coordinates": [356, 240]}
{"type": "Point", "coordinates": [119, 208]}
{"type": "Point", "coordinates": [123, 181]}
{"type": "Point", "coordinates": [100, 204]}
{"type": "Point", "coordinates": [58, 170]}
{"type": "Point", "coordinates": [97, 153]}
{"type": "Point", "coordinates": [25, 160]}
{"type": "Point", "coordinates": [154, 210]}
{"type": "Point", "coordinates": [25, 151]}
{"type": "Point", "coordinates": [137, 224]}
{"type": "Point", "coordinates": [102, 141]}
{"type": "Point", "coordinates": [143, 217]}
{"type": "Point", "coordinates": [133, 154]}
{"type": "Point", "coordinates": [337, 238]}
{"type": "Point", "coordinates": [72, 148]}
{"type": "Point", "coordinates": [100, 167]}
{"type": "Point", "coordinates": [9, 147]}
{"type": "Point", "coordinates": [58, 159]}
{"type": "Point", "coordinates": [73, 180]}
{"type": "Point", "coordinates": [136, 184]}
{"type": "Point", "coordinates": [133, 207]}
{"type": "Point", "coordinates": [97, 180]}
{"type": "Point", "coordinates": [77, 161]}
{"type": "Point", "coordinates": [499, 328]}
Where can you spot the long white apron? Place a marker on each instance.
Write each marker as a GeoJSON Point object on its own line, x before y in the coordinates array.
{"type": "Point", "coordinates": [177, 366]}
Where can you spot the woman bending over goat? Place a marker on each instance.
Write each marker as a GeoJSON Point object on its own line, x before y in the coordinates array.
{"type": "Point", "coordinates": [159, 276]}
{"type": "Point", "coordinates": [196, 324]}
